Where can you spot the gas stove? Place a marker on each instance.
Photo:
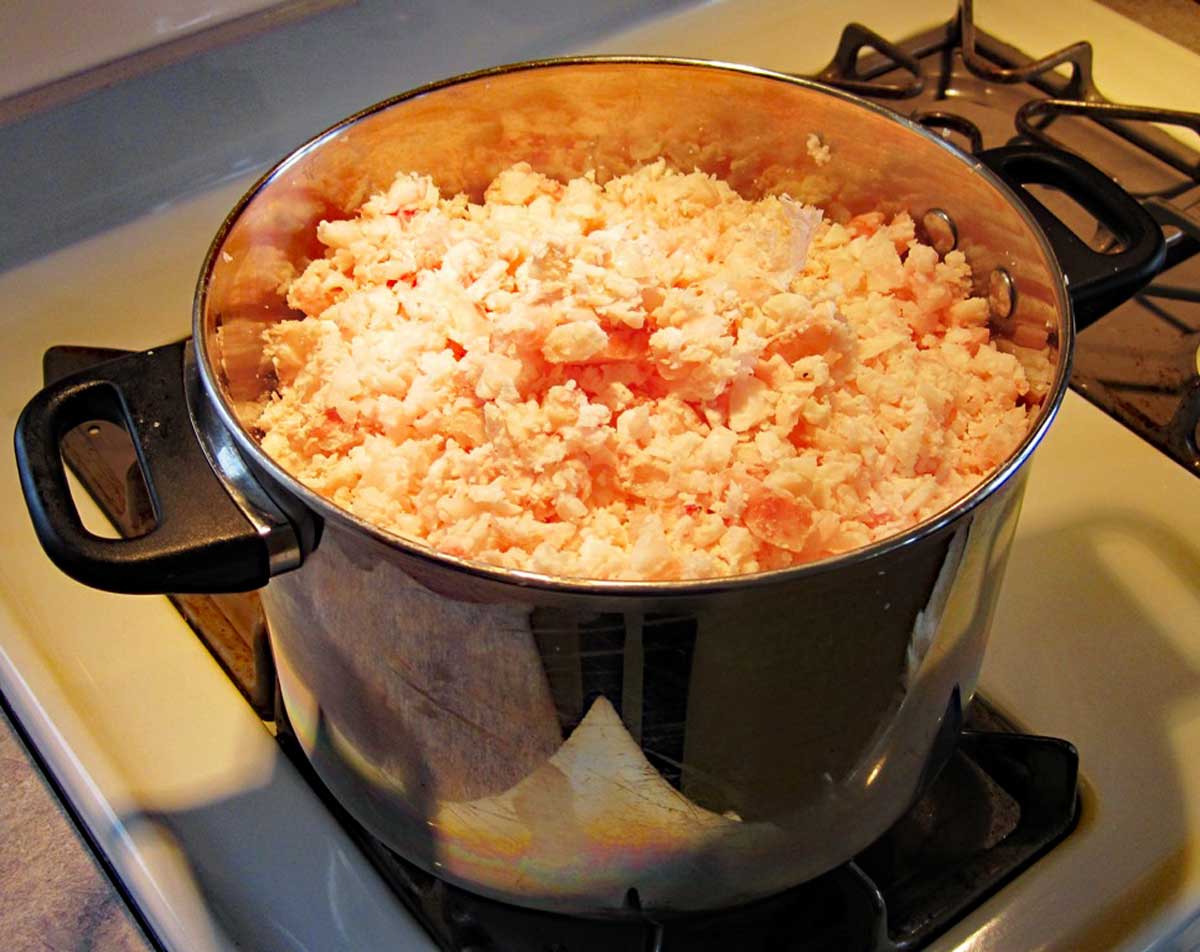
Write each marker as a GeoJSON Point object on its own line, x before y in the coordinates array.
{"type": "Point", "coordinates": [175, 758]}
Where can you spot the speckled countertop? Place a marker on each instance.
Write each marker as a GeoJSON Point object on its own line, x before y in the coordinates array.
{"type": "Point", "coordinates": [54, 897]}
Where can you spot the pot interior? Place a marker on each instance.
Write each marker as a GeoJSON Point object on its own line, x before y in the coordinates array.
{"type": "Point", "coordinates": [610, 116]}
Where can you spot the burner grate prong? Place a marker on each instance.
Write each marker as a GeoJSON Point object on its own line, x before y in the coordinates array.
{"type": "Point", "coordinates": [946, 122]}
{"type": "Point", "coordinates": [1077, 55]}
{"type": "Point", "coordinates": [1035, 116]}
{"type": "Point", "coordinates": [843, 71]}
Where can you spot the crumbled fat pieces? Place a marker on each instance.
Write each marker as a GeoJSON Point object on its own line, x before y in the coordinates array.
{"type": "Point", "coordinates": [652, 378]}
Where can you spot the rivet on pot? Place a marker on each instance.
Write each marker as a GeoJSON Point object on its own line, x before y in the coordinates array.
{"type": "Point", "coordinates": [1002, 294]}
{"type": "Point", "coordinates": [940, 231]}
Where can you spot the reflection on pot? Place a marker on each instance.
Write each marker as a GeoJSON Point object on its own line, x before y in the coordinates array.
{"type": "Point", "coordinates": [560, 751]}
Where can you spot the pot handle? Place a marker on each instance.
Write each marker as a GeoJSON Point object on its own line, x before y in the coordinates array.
{"type": "Point", "coordinates": [202, 540]}
{"type": "Point", "coordinates": [1097, 282]}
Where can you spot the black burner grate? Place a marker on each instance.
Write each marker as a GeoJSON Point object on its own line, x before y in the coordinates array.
{"type": "Point", "coordinates": [1140, 363]}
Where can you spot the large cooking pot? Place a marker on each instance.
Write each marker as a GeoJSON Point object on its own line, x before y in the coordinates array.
{"type": "Point", "coordinates": [596, 747]}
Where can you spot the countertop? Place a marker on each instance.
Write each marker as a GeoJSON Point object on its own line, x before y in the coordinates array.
{"type": "Point", "coordinates": [54, 896]}
{"type": "Point", "coordinates": [1178, 20]}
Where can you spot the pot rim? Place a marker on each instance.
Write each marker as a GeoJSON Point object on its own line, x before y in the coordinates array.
{"type": "Point", "coordinates": [625, 587]}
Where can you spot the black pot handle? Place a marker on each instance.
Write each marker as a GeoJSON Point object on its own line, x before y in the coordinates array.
{"type": "Point", "coordinates": [202, 541]}
{"type": "Point", "coordinates": [1097, 282]}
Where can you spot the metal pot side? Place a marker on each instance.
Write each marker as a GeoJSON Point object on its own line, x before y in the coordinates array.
{"type": "Point", "coordinates": [701, 753]}
{"type": "Point", "coordinates": [560, 743]}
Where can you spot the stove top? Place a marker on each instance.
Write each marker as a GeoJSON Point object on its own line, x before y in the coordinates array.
{"type": "Point", "coordinates": [1002, 800]}
{"type": "Point", "coordinates": [1095, 638]}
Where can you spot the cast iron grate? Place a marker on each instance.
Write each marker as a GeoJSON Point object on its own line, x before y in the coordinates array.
{"type": "Point", "coordinates": [1141, 362]}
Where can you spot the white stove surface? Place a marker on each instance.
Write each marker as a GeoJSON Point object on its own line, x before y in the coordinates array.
{"type": "Point", "coordinates": [1097, 637]}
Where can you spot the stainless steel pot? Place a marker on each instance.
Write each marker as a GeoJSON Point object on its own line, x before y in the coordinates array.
{"type": "Point", "coordinates": [592, 747]}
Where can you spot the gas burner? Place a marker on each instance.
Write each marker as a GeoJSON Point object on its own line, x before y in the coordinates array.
{"type": "Point", "coordinates": [1141, 362]}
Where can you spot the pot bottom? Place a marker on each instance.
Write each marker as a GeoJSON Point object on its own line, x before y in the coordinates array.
{"type": "Point", "coordinates": [596, 832]}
